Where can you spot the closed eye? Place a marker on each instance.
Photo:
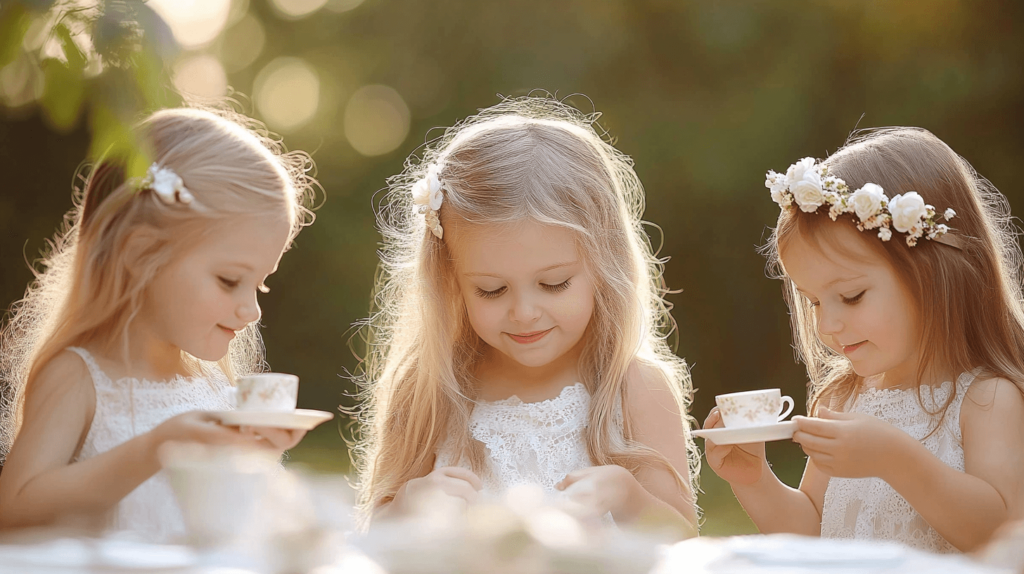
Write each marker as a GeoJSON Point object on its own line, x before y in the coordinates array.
{"type": "Point", "coordinates": [556, 288]}
{"type": "Point", "coordinates": [229, 283]}
{"type": "Point", "coordinates": [489, 294]}
{"type": "Point", "coordinates": [855, 299]}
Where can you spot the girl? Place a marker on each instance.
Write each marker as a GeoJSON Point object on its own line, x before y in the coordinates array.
{"type": "Point", "coordinates": [144, 313]}
{"type": "Point", "coordinates": [520, 336]}
{"type": "Point", "coordinates": [912, 331]}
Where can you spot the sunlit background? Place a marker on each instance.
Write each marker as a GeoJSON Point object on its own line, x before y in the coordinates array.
{"type": "Point", "coordinates": [705, 96]}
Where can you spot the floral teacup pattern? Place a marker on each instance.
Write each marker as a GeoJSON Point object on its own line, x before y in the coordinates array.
{"type": "Point", "coordinates": [753, 408]}
{"type": "Point", "coordinates": [267, 392]}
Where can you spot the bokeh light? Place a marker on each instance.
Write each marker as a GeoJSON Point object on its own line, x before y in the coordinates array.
{"type": "Point", "coordinates": [194, 23]}
{"type": "Point", "coordinates": [19, 83]}
{"type": "Point", "coordinates": [200, 75]}
{"type": "Point", "coordinates": [342, 5]}
{"type": "Point", "coordinates": [376, 120]}
{"type": "Point", "coordinates": [295, 9]}
{"type": "Point", "coordinates": [243, 43]}
{"type": "Point", "coordinates": [287, 93]}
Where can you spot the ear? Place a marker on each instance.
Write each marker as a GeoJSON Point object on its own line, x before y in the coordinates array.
{"type": "Point", "coordinates": [106, 177]}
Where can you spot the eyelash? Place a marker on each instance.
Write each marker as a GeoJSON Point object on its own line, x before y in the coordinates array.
{"type": "Point", "coordinates": [851, 301]}
{"type": "Point", "coordinates": [855, 299]}
{"type": "Point", "coordinates": [232, 284]}
{"type": "Point", "coordinates": [549, 288]}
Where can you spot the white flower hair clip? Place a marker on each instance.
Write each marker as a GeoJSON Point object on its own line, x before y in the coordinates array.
{"type": "Point", "coordinates": [809, 185]}
{"type": "Point", "coordinates": [427, 197]}
{"type": "Point", "coordinates": [167, 185]}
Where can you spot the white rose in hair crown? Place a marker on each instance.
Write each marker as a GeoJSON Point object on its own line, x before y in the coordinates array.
{"type": "Point", "coordinates": [809, 185]}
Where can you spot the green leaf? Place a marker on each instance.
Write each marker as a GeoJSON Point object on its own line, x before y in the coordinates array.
{"type": "Point", "coordinates": [14, 22]}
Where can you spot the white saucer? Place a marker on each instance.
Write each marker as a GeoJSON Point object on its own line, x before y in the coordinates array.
{"type": "Point", "coordinates": [723, 436]}
{"type": "Point", "coordinates": [302, 419]}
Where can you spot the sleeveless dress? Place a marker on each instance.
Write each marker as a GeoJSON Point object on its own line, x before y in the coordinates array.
{"type": "Point", "coordinates": [868, 508]}
{"type": "Point", "coordinates": [129, 407]}
{"type": "Point", "coordinates": [528, 443]}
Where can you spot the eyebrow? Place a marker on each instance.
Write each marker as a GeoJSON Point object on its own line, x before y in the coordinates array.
{"type": "Point", "coordinates": [548, 268]}
{"type": "Point", "coordinates": [834, 282]}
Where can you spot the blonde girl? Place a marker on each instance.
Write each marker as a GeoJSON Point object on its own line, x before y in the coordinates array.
{"type": "Point", "coordinates": [902, 273]}
{"type": "Point", "coordinates": [520, 336]}
{"type": "Point", "coordinates": [143, 315]}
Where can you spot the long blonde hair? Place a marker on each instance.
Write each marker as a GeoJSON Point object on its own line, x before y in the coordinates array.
{"type": "Point", "coordinates": [530, 158]}
{"type": "Point", "coordinates": [968, 299]}
{"type": "Point", "coordinates": [116, 238]}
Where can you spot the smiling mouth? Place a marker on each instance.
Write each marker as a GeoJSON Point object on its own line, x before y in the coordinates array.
{"type": "Point", "coordinates": [231, 332]}
{"type": "Point", "coordinates": [527, 338]}
{"type": "Point", "coordinates": [847, 349]}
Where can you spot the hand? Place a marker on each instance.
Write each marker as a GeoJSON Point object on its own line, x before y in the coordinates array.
{"type": "Point", "coordinates": [202, 427]}
{"type": "Point", "coordinates": [275, 439]}
{"type": "Point", "coordinates": [600, 489]}
{"type": "Point", "coordinates": [849, 445]}
{"type": "Point", "coordinates": [734, 463]}
{"type": "Point", "coordinates": [452, 482]}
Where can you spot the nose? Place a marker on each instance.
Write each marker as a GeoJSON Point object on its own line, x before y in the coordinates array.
{"type": "Point", "coordinates": [524, 310]}
{"type": "Point", "coordinates": [829, 321]}
{"type": "Point", "coordinates": [249, 309]}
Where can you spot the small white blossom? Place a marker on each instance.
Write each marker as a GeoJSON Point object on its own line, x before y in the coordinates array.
{"type": "Point", "coordinates": [167, 185]}
{"type": "Point", "coordinates": [885, 234]}
{"type": "Point", "coordinates": [950, 214]}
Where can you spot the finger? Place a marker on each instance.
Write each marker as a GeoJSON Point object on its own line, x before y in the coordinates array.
{"type": "Point", "coordinates": [817, 427]}
{"type": "Point", "coordinates": [813, 441]}
{"type": "Point", "coordinates": [463, 474]}
{"type": "Point", "coordinates": [819, 457]}
{"type": "Point", "coordinates": [714, 417]}
{"type": "Point", "coordinates": [572, 477]}
{"type": "Point", "coordinates": [717, 455]}
{"type": "Point", "coordinates": [828, 414]}
{"type": "Point", "coordinates": [279, 438]}
{"type": "Point", "coordinates": [460, 489]}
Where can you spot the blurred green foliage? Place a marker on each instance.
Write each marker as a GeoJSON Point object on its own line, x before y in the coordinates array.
{"type": "Point", "coordinates": [704, 95]}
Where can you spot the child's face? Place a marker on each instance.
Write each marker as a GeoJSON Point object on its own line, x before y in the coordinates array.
{"type": "Point", "coordinates": [526, 290]}
{"type": "Point", "coordinates": [201, 299]}
{"type": "Point", "coordinates": [862, 309]}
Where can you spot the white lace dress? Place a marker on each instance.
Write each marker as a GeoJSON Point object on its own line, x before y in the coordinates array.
{"type": "Point", "coordinates": [528, 443]}
{"type": "Point", "coordinates": [129, 407]}
{"type": "Point", "coordinates": [869, 507]}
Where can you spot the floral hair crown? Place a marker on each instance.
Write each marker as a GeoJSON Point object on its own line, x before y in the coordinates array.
{"type": "Point", "coordinates": [809, 185]}
{"type": "Point", "coordinates": [167, 185]}
{"type": "Point", "coordinates": [427, 197]}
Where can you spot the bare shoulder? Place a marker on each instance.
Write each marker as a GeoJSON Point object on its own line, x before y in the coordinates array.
{"type": "Point", "coordinates": [992, 398]}
{"type": "Point", "coordinates": [653, 398]}
{"type": "Point", "coordinates": [65, 378]}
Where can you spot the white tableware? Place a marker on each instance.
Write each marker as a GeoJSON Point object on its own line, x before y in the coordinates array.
{"type": "Point", "coordinates": [743, 435]}
{"type": "Point", "coordinates": [299, 419]}
{"type": "Point", "coordinates": [753, 408]}
{"type": "Point", "coordinates": [267, 392]}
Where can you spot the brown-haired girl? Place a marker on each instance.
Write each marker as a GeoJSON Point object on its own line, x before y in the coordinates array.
{"type": "Point", "coordinates": [902, 273]}
{"type": "Point", "coordinates": [144, 314]}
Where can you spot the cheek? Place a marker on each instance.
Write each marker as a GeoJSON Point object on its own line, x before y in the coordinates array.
{"type": "Point", "coordinates": [576, 306]}
{"type": "Point", "coordinates": [483, 315]}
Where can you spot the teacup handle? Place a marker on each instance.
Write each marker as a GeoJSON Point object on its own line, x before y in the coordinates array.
{"type": "Point", "coordinates": [788, 410]}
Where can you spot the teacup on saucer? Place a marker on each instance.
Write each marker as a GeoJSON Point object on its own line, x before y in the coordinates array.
{"type": "Point", "coordinates": [753, 408]}
{"type": "Point", "coordinates": [267, 392]}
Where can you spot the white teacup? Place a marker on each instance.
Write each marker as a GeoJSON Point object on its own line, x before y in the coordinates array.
{"type": "Point", "coordinates": [267, 392]}
{"type": "Point", "coordinates": [753, 408]}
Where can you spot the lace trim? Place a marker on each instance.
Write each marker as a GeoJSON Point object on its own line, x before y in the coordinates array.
{"type": "Point", "coordinates": [868, 508]}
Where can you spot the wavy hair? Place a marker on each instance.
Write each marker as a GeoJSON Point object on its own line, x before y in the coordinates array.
{"type": "Point", "coordinates": [528, 158]}
{"type": "Point", "coordinates": [968, 299]}
{"type": "Point", "coordinates": [91, 281]}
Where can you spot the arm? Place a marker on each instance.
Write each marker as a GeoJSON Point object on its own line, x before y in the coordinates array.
{"type": "Point", "coordinates": [967, 507]}
{"type": "Point", "coordinates": [654, 490]}
{"type": "Point", "coordinates": [771, 504]}
{"type": "Point", "coordinates": [964, 507]}
{"type": "Point", "coordinates": [41, 485]}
